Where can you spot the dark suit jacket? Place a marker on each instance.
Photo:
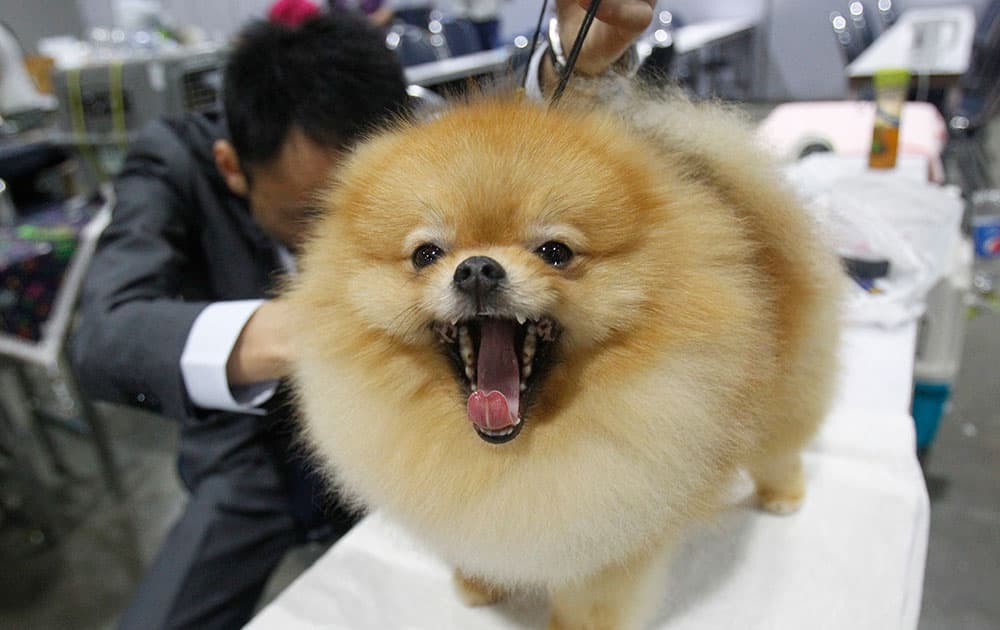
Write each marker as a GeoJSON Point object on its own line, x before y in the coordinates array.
{"type": "Point", "coordinates": [178, 240]}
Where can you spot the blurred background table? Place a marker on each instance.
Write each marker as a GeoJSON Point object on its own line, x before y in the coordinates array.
{"type": "Point", "coordinates": [932, 42]}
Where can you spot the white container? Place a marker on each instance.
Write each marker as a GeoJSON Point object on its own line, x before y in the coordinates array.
{"type": "Point", "coordinates": [941, 330]}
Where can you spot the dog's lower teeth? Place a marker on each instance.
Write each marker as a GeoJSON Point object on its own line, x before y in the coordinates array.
{"type": "Point", "coordinates": [528, 355]}
{"type": "Point", "coordinates": [465, 346]}
{"type": "Point", "coordinates": [530, 343]}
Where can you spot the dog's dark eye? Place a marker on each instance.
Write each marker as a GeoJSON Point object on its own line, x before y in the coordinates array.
{"type": "Point", "coordinates": [426, 254]}
{"type": "Point", "coordinates": [555, 253]}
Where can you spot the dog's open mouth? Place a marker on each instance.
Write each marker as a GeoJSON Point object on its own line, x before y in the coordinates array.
{"type": "Point", "coordinates": [500, 362]}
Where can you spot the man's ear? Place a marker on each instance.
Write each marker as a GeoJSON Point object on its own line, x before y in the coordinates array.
{"type": "Point", "coordinates": [228, 164]}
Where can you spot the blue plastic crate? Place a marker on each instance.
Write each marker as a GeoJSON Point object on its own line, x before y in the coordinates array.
{"type": "Point", "coordinates": [929, 400]}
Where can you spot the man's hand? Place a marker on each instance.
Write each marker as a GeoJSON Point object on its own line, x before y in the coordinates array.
{"type": "Point", "coordinates": [263, 349]}
{"type": "Point", "coordinates": [617, 24]}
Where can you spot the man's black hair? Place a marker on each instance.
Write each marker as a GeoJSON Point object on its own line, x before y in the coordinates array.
{"type": "Point", "coordinates": [332, 77]}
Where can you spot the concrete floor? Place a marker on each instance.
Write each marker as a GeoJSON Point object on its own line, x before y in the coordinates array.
{"type": "Point", "coordinates": [962, 470]}
{"type": "Point", "coordinates": [102, 545]}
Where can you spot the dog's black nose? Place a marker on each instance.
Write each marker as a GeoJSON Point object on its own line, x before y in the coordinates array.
{"type": "Point", "coordinates": [478, 276]}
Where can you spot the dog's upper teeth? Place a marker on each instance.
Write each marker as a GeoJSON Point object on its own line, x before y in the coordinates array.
{"type": "Point", "coordinates": [521, 319]}
{"type": "Point", "coordinates": [546, 329]}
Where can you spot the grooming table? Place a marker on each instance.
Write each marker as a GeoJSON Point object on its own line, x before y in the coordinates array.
{"type": "Point", "coordinates": [852, 557]}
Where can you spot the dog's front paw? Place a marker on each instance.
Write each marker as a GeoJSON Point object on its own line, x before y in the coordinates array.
{"type": "Point", "coordinates": [779, 502]}
{"type": "Point", "coordinates": [476, 592]}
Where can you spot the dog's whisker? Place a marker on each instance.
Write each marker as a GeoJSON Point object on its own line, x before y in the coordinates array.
{"type": "Point", "coordinates": [407, 321]}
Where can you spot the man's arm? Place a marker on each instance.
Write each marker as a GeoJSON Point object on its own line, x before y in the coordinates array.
{"type": "Point", "coordinates": [262, 350]}
{"type": "Point", "coordinates": [231, 360]}
{"type": "Point", "coordinates": [133, 323]}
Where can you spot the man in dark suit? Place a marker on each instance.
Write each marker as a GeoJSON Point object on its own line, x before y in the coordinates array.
{"type": "Point", "coordinates": [208, 216]}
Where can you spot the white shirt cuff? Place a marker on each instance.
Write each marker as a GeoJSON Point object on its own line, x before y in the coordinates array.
{"type": "Point", "coordinates": [206, 352]}
{"type": "Point", "coordinates": [534, 87]}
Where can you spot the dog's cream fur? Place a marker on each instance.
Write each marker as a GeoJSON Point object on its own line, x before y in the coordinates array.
{"type": "Point", "coordinates": [698, 334]}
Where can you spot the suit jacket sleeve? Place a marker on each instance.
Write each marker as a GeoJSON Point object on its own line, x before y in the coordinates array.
{"type": "Point", "coordinates": [133, 321]}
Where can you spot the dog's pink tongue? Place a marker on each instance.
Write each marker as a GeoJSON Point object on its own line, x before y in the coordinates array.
{"type": "Point", "coordinates": [495, 403]}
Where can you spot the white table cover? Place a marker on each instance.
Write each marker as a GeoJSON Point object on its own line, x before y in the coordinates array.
{"type": "Point", "coordinates": [852, 557]}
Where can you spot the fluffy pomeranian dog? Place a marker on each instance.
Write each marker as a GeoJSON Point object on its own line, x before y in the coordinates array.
{"type": "Point", "coordinates": [545, 340]}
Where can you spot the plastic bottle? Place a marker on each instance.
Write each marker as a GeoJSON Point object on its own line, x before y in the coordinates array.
{"type": "Point", "coordinates": [890, 95]}
{"type": "Point", "coordinates": [986, 238]}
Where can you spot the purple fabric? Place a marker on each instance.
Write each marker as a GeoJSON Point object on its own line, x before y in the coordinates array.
{"type": "Point", "coordinates": [34, 255]}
